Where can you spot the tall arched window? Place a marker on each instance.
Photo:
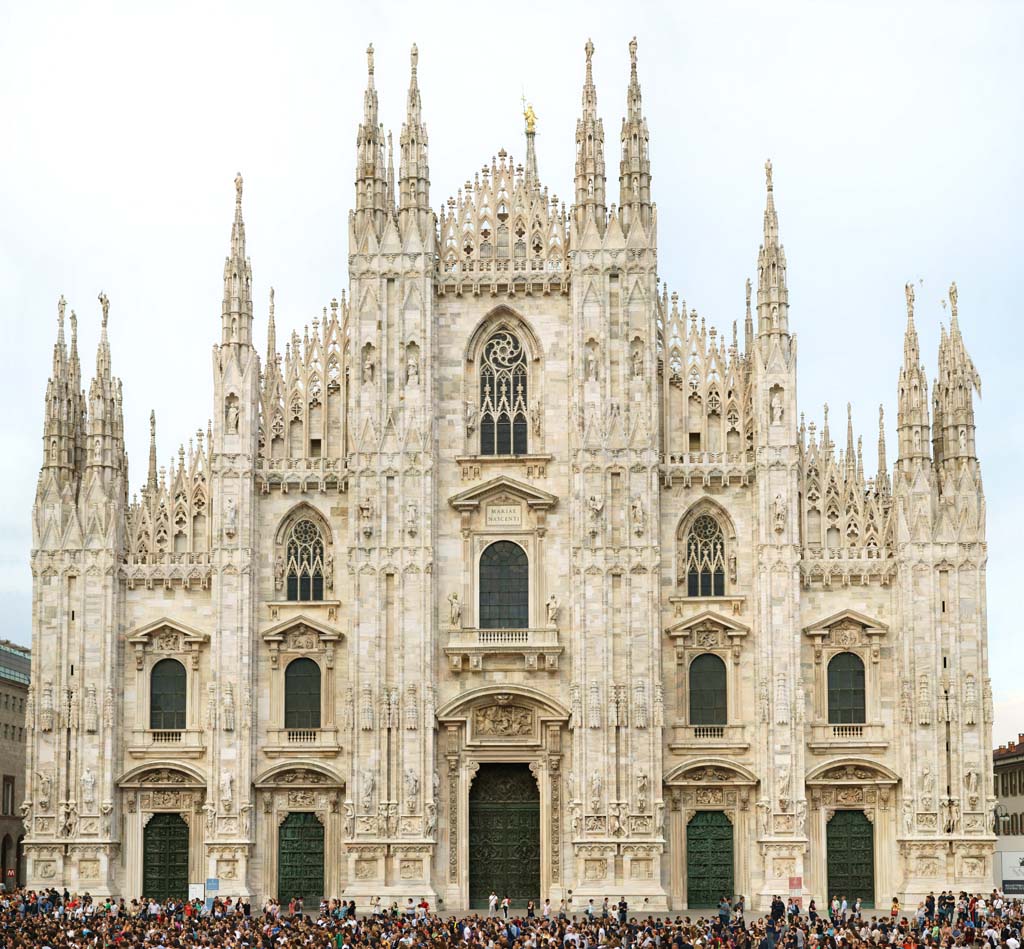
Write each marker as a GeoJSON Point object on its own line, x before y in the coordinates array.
{"type": "Point", "coordinates": [305, 568]}
{"type": "Point", "coordinates": [503, 396]}
{"type": "Point", "coordinates": [302, 694]}
{"type": "Point", "coordinates": [705, 558]}
{"type": "Point", "coordinates": [846, 700]}
{"type": "Point", "coordinates": [167, 696]}
{"type": "Point", "coordinates": [707, 691]}
{"type": "Point", "coordinates": [504, 587]}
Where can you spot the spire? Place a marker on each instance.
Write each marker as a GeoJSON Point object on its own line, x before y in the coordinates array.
{"type": "Point", "coordinates": [635, 164]}
{"type": "Point", "coordinates": [772, 293]}
{"type": "Point", "coordinates": [63, 409]}
{"type": "Point", "coordinates": [370, 179]}
{"type": "Point", "coordinates": [271, 336]}
{"type": "Point", "coordinates": [104, 447]}
{"type": "Point", "coordinates": [236, 312]}
{"type": "Point", "coordinates": [151, 480]}
{"type": "Point", "coordinates": [414, 183]}
{"type": "Point", "coordinates": [912, 422]}
{"type": "Point", "coordinates": [590, 177]}
{"type": "Point", "coordinates": [882, 477]}
{"type": "Point", "coordinates": [748, 326]}
{"type": "Point", "coordinates": [532, 180]}
{"type": "Point", "coordinates": [957, 382]}
{"type": "Point", "coordinates": [389, 201]}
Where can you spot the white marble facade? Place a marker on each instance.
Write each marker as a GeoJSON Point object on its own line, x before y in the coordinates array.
{"type": "Point", "coordinates": [671, 505]}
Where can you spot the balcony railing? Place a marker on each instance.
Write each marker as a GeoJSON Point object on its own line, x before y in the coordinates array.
{"type": "Point", "coordinates": [307, 741]}
{"type": "Point", "coordinates": [158, 742]}
{"type": "Point", "coordinates": [166, 737]}
{"type": "Point", "coordinates": [302, 736]}
{"type": "Point", "coordinates": [540, 648]}
{"type": "Point", "coordinates": [867, 736]}
{"type": "Point", "coordinates": [721, 738]}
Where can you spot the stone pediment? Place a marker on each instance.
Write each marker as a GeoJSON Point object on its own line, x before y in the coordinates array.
{"type": "Point", "coordinates": [301, 634]}
{"type": "Point", "coordinates": [471, 499]}
{"type": "Point", "coordinates": [708, 621]}
{"type": "Point", "coordinates": [161, 632]}
{"type": "Point", "coordinates": [847, 619]}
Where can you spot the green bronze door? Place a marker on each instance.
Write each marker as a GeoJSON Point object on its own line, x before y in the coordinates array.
{"type": "Point", "coordinates": [708, 859]}
{"type": "Point", "coordinates": [504, 835]}
{"type": "Point", "coordinates": [850, 841]}
{"type": "Point", "coordinates": [300, 859]}
{"type": "Point", "coordinates": [165, 858]}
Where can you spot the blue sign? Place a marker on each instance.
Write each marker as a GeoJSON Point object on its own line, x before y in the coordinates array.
{"type": "Point", "coordinates": [212, 883]}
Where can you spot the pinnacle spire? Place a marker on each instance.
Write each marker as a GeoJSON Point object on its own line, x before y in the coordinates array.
{"type": "Point", "coordinates": [590, 174]}
{"type": "Point", "coordinates": [912, 422]}
{"type": "Point", "coordinates": [236, 311]}
{"type": "Point", "coordinates": [635, 164]}
{"type": "Point", "coordinates": [532, 179]}
{"type": "Point", "coordinates": [271, 334]}
{"type": "Point", "coordinates": [151, 480]}
{"type": "Point", "coordinates": [882, 477]}
{"type": "Point", "coordinates": [370, 177]}
{"type": "Point", "coordinates": [414, 175]}
{"type": "Point", "coordinates": [958, 380]}
{"type": "Point", "coordinates": [772, 293]}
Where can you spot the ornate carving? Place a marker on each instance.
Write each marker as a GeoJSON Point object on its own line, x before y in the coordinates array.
{"type": "Point", "coordinates": [502, 721]}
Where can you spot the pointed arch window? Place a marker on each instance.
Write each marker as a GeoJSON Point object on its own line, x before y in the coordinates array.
{"type": "Point", "coordinates": [305, 567]}
{"type": "Point", "coordinates": [705, 558]}
{"type": "Point", "coordinates": [503, 396]}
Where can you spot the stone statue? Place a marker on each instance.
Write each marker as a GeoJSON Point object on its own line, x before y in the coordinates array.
{"type": "Point", "coordinates": [642, 787]}
{"type": "Point", "coordinates": [411, 518]}
{"type": "Point", "coordinates": [783, 786]}
{"type": "Point", "coordinates": [535, 419]}
{"type": "Point", "coordinates": [552, 610]}
{"type": "Point", "coordinates": [971, 780]}
{"type": "Point", "coordinates": [638, 515]}
{"type": "Point", "coordinates": [92, 713]}
{"type": "Point", "coordinates": [350, 819]}
{"type": "Point", "coordinates": [470, 418]}
{"type": "Point", "coordinates": [908, 816]}
{"type": "Point", "coordinates": [227, 792]}
{"type": "Point", "coordinates": [232, 419]}
{"type": "Point", "coordinates": [368, 369]}
{"type": "Point", "coordinates": [638, 363]}
{"type": "Point", "coordinates": [776, 407]}
{"type": "Point", "coordinates": [801, 818]}
{"type": "Point", "coordinates": [732, 568]}
{"type": "Point", "coordinates": [43, 791]}
{"type": "Point", "coordinates": [366, 516]}
{"type": "Point", "coordinates": [764, 810]}
{"type": "Point", "coordinates": [595, 789]}
{"type": "Point", "coordinates": [412, 789]}
{"type": "Point", "coordinates": [368, 784]}
{"type": "Point", "coordinates": [430, 827]}
{"type": "Point", "coordinates": [412, 371]}
{"type": "Point", "coordinates": [590, 365]}
{"type": "Point", "coordinates": [576, 817]}
{"type": "Point", "coordinates": [230, 517]}
{"type": "Point", "coordinates": [454, 610]}
{"type": "Point", "coordinates": [779, 514]}
{"type": "Point", "coordinates": [88, 783]}
{"type": "Point", "coordinates": [229, 708]}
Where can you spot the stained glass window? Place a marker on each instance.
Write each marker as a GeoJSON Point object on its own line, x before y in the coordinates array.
{"type": "Point", "coordinates": [305, 569]}
{"type": "Point", "coordinates": [504, 587]}
{"type": "Point", "coordinates": [503, 396]}
{"type": "Point", "coordinates": [705, 558]}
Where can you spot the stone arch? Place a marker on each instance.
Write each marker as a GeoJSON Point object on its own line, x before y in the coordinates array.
{"type": "Point", "coordinates": [136, 777]}
{"type": "Point", "coordinates": [710, 768]}
{"type": "Point", "coordinates": [303, 510]}
{"type": "Point", "coordinates": [503, 317]}
{"type": "Point", "coordinates": [872, 771]}
{"type": "Point", "coordinates": [310, 770]}
{"type": "Point", "coordinates": [460, 706]}
{"type": "Point", "coordinates": [706, 506]}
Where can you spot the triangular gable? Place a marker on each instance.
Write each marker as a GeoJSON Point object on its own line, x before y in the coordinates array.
{"type": "Point", "coordinates": [872, 626]}
{"type": "Point", "coordinates": [277, 632]}
{"type": "Point", "coordinates": [470, 499]}
{"type": "Point", "coordinates": [144, 634]}
{"type": "Point", "coordinates": [731, 627]}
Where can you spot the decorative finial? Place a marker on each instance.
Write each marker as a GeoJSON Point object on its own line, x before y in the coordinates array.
{"type": "Point", "coordinates": [105, 303]}
{"type": "Point", "coordinates": [152, 423]}
{"type": "Point", "coordinates": [909, 288]}
{"type": "Point", "coordinates": [369, 59]}
{"type": "Point", "coordinates": [952, 298]}
{"type": "Point", "coordinates": [238, 188]}
{"type": "Point", "coordinates": [414, 55]}
{"type": "Point", "coordinates": [748, 293]}
{"type": "Point", "coordinates": [768, 173]}
{"type": "Point", "coordinates": [531, 118]}
{"type": "Point", "coordinates": [271, 299]}
{"type": "Point", "coordinates": [61, 303]}
{"type": "Point", "coordinates": [632, 55]}
{"type": "Point", "coordinates": [589, 50]}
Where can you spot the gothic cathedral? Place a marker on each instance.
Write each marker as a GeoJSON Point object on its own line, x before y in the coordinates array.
{"type": "Point", "coordinates": [511, 574]}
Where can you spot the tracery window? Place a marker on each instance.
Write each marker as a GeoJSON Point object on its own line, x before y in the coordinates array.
{"type": "Point", "coordinates": [302, 694]}
{"type": "Point", "coordinates": [503, 396]}
{"type": "Point", "coordinates": [504, 587]}
{"type": "Point", "coordinates": [846, 694]}
{"type": "Point", "coordinates": [167, 696]}
{"type": "Point", "coordinates": [305, 567]}
{"type": "Point", "coordinates": [707, 690]}
{"type": "Point", "coordinates": [705, 558]}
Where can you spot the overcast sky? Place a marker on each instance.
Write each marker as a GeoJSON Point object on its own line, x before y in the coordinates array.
{"type": "Point", "coordinates": [895, 131]}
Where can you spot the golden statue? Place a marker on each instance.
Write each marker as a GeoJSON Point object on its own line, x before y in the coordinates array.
{"type": "Point", "coordinates": [531, 118]}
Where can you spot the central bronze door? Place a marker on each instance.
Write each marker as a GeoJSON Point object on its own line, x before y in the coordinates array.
{"type": "Point", "coordinates": [300, 859]}
{"type": "Point", "coordinates": [504, 834]}
{"type": "Point", "coordinates": [165, 858]}
{"type": "Point", "coordinates": [850, 843]}
{"type": "Point", "coordinates": [709, 847]}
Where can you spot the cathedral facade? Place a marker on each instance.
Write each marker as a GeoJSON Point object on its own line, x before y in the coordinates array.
{"type": "Point", "coordinates": [511, 574]}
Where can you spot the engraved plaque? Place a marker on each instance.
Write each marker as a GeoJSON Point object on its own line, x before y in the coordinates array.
{"type": "Point", "coordinates": [504, 515]}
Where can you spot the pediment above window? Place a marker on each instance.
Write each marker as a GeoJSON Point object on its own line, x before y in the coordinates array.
{"type": "Point", "coordinates": [503, 503]}
{"type": "Point", "coordinates": [301, 635]}
{"type": "Point", "coordinates": [708, 629]}
{"type": "Point", "coordinates": [169, 637]}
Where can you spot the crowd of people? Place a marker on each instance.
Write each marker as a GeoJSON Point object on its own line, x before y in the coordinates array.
{"type": "Point", "coordinates": [53, 920]}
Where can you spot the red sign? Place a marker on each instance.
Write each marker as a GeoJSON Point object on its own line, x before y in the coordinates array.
{"type": "Point", "coordinates": [10, 872]}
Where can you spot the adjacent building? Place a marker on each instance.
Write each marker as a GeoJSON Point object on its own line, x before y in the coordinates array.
{"type": "Point", "coordinates": [512, 572]}
{"type": "Point", "coordinates": [15, 669]}
{"type": "Point", "coordinates": [1008, 769]}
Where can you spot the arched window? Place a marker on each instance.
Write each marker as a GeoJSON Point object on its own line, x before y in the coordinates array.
{"type": "Point", "coordinates": [302, 694]}
{"type": "Point", "coordinates": [503, 396]}
{"type": "Point", "coordinates": [846, 704]}
{"type": "Point", "coordinates": [504, 587]}
{"type": "Point", "coordinates": [705, 558]}
{"type": "Point", "coordinates": [707, 691]}
{"type": "Point", "coordinates": [167, 697]}
{"type": "Point", "coordinates": [305, 561]}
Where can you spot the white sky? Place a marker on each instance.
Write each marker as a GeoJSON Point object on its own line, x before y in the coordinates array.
{"type": "Point", "coordinates": [895, 130]}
